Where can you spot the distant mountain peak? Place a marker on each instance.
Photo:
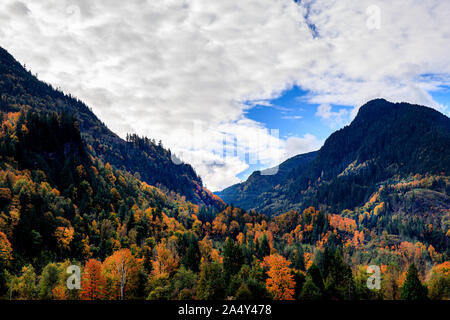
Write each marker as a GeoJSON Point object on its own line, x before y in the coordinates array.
{"type": "Point", "coordinates": [380, 107]}
{"type": "Point", "coordinates": [384, 140]}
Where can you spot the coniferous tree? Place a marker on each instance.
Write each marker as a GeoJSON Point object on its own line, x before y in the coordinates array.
{"type": "Point", "coordinates": [299, 259]}
{"type": "Point", "coordinates": [264, 247]}
{"type": "Point", "coordinates": [310, 291]}
{"type": "Point", "coordinates": [316, 276]}
{"type": "Point", "coordinates": [244, 293]}
{"type": "Point", "coordinates": [211, 285]}
{"type": "Point", "coordinates": [192, 258]}
{"type": "Point", "coordinates": [412, 288]}
{"type": "Point", "coordinates": [232, 259]}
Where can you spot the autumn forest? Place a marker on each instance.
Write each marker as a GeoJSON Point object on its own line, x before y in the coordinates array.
{"type": "Point", "coordinates": [72, 193]}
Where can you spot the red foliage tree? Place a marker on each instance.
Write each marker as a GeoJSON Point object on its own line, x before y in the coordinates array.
{"type": "Point", "coordinates": [93, 281]}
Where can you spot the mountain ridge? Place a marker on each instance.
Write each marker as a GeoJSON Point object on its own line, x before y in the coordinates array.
{"type": "Point", "coordinates": [249, 190]}
{"type": "Point", "coordinates": [20, 90]}
{"type": "Point", "coordinates": [385, 139]}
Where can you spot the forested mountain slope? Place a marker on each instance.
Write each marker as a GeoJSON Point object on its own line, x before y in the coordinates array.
{"type": "Point", "coordinates": [20, 90]}
{"type": "Point", "coordinates": [258, 190]}
{"type": "Point", "coordinates": [386, 141]}
{"type": "Point", "coordinates": [62, 204]}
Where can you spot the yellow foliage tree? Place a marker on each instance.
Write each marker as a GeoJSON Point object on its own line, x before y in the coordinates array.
{"type": "Point", "coordinates": [166, 260]}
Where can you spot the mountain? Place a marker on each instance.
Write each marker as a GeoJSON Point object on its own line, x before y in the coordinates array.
{"type": "Point", "coordinates": [386, 141]}
{"type": "Point", "coordinates": [22, 91]}
{"type": "Point", "coordinates": [258, 190]}
{"type": "Point", "coordinates": [57, 201]}
{"type": "Point", "coordinates": [62, 204]}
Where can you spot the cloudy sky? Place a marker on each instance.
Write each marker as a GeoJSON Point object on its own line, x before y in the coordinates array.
{"type": "Point", "coordinates": [233, 86]}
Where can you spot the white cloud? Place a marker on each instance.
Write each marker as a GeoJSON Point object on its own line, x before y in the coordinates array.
{"type": "Point", "coordinates": [158, 67]}
{"type": "Point", "coordinates": [296, 145]}
{"type": "Point", "coordinates": [333, 118]}
{"type": "Point", "coordinates": [217, 170]}
{"type": "Point", "coordinates": [362, 64]}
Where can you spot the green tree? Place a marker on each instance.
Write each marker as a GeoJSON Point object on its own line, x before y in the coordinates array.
{"type": "Point", "coordinates": [192, 258]}
{"type": "Point", "coordinates": [232, 259]}
{"type": "Point", "coordinates": [25, 285]}
{"type": "Point", "coordinates": [49, 280]}
{"type": "Point", "coordinates": [310, 291]}
{"type": "Point", "coordinates": [211, 284]}
{"type": "Point", "coordinates": [243, 293]}
{"type": "Point", "coordinates": [264, 247]}
{"type": "Point", "coordinates": [361, 289]}
{"type": "Point", "coordinates": [159, 288]}
{"type": "Point", "coordinates": [316, 276]}
{"type": "Point", "coordinates": [258, 289]}
{"type": "Point", "coordinates": [299, 259]}
{"type": "Point", "coordinates": [299, 279]}
{"type": "Point", "coordinates": [412, 288]}
{"type": "Point", "coordinates": [184, 282]}
{"type": "Point", "coordinates": [338, 276]}
{"type": "Point", "coordinates": [439, 286]}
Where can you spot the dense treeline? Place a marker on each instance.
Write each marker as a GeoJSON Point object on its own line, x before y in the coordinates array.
{"type": "Point", "coordinates": [60, 206]}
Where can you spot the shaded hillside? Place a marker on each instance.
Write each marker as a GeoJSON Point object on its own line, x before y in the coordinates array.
{"type": "Point", "coordinates": [384, 141]}
{"type": "Point", "coordinates": [20, 90]}
{"type": "Point", "coordinates": [58, 202]}
{"type": "Point", "coordinates": [48, 144]}
{"type": "Point", "coordinates": [258, 190]}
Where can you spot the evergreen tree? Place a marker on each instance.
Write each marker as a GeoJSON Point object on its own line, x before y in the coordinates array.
{"type": "Point", "coordinates": [299, 279]}
{"type": "Point", "coordinates": [211, 285]}
{"type": "Point", "coordinates": [192, 258]}
{"type": "Point", "coordinates": [316, 277]}
{"type": "Point", "coordinates": [258, 289]}
{"type": "Point", "coordinates": [412, 288]}
{"type": "Point", "coordinates": [299, 260]}
{"type": "Point", "coordinates": [310, 291]}
{"type": "Point", "coordinates": [243, 293]}
{"type": "Point", "coordinates": [232, 259]}
{"type": "Point", "coordinates": [338, 277]}
{"type": "Point", "coordinates": [264, 248]}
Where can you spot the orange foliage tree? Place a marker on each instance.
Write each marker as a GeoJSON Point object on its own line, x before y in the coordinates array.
{"type": "Point", "coordinates": [280, 282]}
{"type": "Point", "coordinates": [121, 272]}
{"type": "Point", "coordinates": [5, 250]}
